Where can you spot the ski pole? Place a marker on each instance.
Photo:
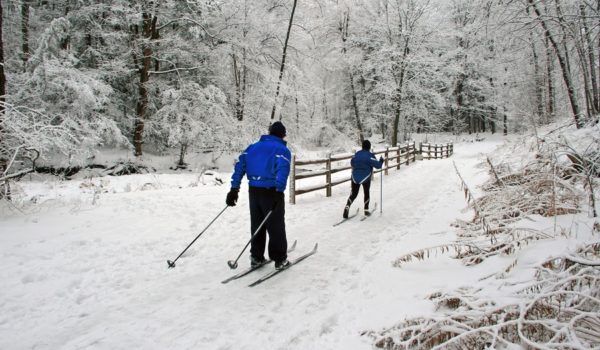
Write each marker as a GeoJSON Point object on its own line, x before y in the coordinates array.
{"type": "Point", "coordinates": [233, 264]}
{"type": "Point", "coordinates": [381, 193]}
{"type": "Point", "coordinates": [172, 263]}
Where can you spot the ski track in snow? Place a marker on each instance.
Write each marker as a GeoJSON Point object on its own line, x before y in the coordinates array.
{"type": "Point", "coordinates": [96, 277]}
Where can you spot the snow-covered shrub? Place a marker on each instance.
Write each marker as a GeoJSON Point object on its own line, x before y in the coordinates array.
{"type": "Point", "coordinates": [57, 109]}
{"type": "Point", "coordinates": [560, 307]}
{"type": "Point", "coordinates": [194, 117]}
{"type": "Point", "coordinates": [329, 137]}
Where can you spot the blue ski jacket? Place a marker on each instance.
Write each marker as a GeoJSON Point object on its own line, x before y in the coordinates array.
{"type": "Point", "coordinates": [363, 163]}
{"type": "Point", "coordinates": [266, 164]}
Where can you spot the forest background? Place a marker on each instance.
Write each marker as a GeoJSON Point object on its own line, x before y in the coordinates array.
{"type": "Point", "coordinates": [203, 76]}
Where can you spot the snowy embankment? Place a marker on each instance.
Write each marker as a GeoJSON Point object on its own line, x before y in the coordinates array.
{"type": "Point", "coordinates": [87, 269]}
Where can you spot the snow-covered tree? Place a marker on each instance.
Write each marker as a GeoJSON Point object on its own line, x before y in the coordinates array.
{"type": "Point", "coordinates": [194, 117]}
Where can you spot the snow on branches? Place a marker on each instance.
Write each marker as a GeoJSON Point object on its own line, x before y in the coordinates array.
{"type": "Point", "coordinates": [558, 307]}
{"type": "Point", "coordinates": [558, 310]}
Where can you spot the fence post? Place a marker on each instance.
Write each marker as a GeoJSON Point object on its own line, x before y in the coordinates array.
{"type": "Point", "coordinates": [386, 162]}
{"type": "Point", "coordinates": [328, 175]}
{"type": "Point", "coordinates": [293, 181]}
{"type": "Point", "coordinates": [452, 148]}
{"type": "Point", "coordinates": [399, 159]}
{"type": "Point", "coordinates": [407, 153]}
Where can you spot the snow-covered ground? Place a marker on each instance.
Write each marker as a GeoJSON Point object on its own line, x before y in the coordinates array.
{"type": "Point", "coordinates": [87, 268]}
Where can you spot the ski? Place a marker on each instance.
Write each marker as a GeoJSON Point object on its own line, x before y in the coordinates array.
{"type": "Point", "coordinates": [348, 218]}
{"type": "Point", "coordinates": [372, 211]}
{"type": "Point", "coordinates": [292, 263]}
{"type": "Point", "coordinates": [250, 269]}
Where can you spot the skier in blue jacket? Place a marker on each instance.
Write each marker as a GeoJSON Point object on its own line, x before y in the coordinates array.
{"type": "Point", "coordinates": [362, 164]}
{"type": "Point", "coordinates": [267, 166]}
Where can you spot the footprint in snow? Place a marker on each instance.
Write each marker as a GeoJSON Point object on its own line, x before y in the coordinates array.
{"type": "Point", "coordinates": [32, 277]}
{"type": "Point", "coordinates": [329, 324]}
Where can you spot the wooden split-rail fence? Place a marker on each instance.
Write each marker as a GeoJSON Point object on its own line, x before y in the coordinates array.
{"type": "Point", "coordinates": [393, 158]}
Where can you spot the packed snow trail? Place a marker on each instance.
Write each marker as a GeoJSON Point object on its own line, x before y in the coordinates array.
{"type": "Point", "coordinates": [94, 276]}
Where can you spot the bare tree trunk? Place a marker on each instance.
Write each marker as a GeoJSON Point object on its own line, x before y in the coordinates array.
{"type": "Point", "coordinates": [460, 98]}
{"type": "Point", "coordinates": [2, 76]}
{"type": "Point", "coordinates": [285, 45]}
{"type": "Point", "coordinates": [598, 95]}
{"type": "Point", "coordinates": [239, 77]}
{"type": "Point", "coordinates": [539, 93]}
{"type": "Point", "coordinates": [243, 87]}
{"type": "Point", "coordinates": [396, 125]}
{"type": "Point", "coordinates": [539, 96]}
{"type": "Point", "coordinates": [3, 161]}
{"type": "Point", "coordinates": [398, 101]}
{"type": "Point", "coordinates": [505, 121]}
{"type": "Point", "coordinates": [238, 88]}
{"type": "Point", "coordinates": [471, 123]}
{"type": "Point", "coordinates": [244, 63]}
{"type": "Point", "coordinates": [297, 112]}
{"type": "Point", "coordinates": [283, 103]}
{"type": "Point", "coordinates": [312, 112]}
{"type": "Point", "coordinates": [493, 111]}
{"type": "Point", "coordinates": [592, 60]}
{"type": "Point", "coordinates": [581, 48]}
{"type": "Point", "coordinates": [324, 101]}
{"type": "Point", "coordinates": [239, 73]}
{"type": "Point", "coordinates": [182, 151]}
{"type": "Point", "coordinates": [344, 24]}
{"type": "Point", "coordinates": [551, 103]}
{"type": "Point", "coordinates": [361, 137]}
{"type": "Point", "coordinates": [148, 32]}
{"type": "Point", "coordinates": [564, 68]}
{"type": "Point", "coordinates": [589, 95]}
{"type": "Point", "coordinates": [25, 31]}
{"type": "Point", "coordinates": [452, 123]}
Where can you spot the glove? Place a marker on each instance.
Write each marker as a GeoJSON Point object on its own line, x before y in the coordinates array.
{"type": "Point", "coordinates": [232, 197]}
{"type": "Point", "coordinates": [380, 159]}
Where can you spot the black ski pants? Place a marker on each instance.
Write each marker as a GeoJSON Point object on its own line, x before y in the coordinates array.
{"type": "Point", "coordinates": [355, 188]}
{"type": "Point", "coordinates": [263, 200]}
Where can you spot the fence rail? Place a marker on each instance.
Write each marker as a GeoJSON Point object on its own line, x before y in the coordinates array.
{"type": "Point", "coordinates": [393, 158]}
{"type": "Point", "coordinates": [444, 150]}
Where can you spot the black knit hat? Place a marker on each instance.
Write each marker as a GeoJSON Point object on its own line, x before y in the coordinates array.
{"type": "Point", "coordinates": [366, 145]}
{"type": "Point", "coordinates": [277, 129]}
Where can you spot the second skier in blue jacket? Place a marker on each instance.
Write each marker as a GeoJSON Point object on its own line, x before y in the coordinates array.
{"type": "Point", "coordinates": [362, 164]}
